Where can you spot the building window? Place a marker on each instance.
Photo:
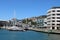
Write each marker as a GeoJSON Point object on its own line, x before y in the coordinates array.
{"type": "Point", "coordinates": [48, 21]}
{"type": "Point", "coordinates": [53, 10]}
{"type": "Point", "coordinates": [58, 10]}
{"type": "Point", "coordinates": [48, 18]}
{"type": "Point", "coordinates": [48, 24]}
{"type": "Point", "coordinates": [53, 24]}
{"type": "Point", "coordinates": [53, 14]}
{"type": "Point", "coordinates": [45, 22]}
{"type": "Point", "coordinates": [53, 17]}
{"type": "Point", "coordinates": [58, 20]}
{"type": "Point", "coordinates": [41, 20]}
{"type": "Point", "coordinates": [53, 28]}
{"type": "Point", "coordinates": [58, 14]}
{"type": "Point", "coordinates": [58, 17]}
{"type": "Point", "coordinates": [48, 15]}
{"type": "Point", "coordinates": [58, 24]}
{"type": "Point", "coordinates": [53, 20]}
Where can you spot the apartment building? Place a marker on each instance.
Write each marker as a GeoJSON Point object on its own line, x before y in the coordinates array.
{"type": "Point", "coordinates": [53, 18]}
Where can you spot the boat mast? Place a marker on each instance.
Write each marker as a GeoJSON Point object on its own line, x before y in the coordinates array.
{"type": "Point", "coordinates": [14, 18]}
{"type": "Point", "coordinates": [14, 13]}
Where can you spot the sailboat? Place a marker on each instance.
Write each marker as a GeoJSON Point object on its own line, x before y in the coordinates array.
{"type": "Point", "coordinates": [14, 27]}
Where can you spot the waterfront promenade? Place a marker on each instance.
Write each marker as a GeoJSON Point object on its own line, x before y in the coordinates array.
{"type": "Point", "coordinates": [45, 30]}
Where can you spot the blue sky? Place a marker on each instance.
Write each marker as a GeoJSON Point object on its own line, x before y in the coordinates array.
{"type": "Point", "coordinates": [25, 8]}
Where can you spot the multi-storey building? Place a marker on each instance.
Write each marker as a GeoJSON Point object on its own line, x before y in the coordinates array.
{"type": "Point", "coordinates": [53, 18]}
{"type": "Point", "coordinates": [41, 20]}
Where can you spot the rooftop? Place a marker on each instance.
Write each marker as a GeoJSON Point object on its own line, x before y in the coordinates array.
{"type": "Point", "coordinates": [55, 7]}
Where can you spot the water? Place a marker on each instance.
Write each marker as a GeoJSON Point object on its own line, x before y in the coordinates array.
{"type": "Point", "coordinates": [54, 37]}
{"type": "Point", "coordinates": [27, 35]}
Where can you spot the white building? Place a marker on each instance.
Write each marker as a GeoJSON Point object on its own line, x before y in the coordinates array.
{"type": "Point", "coordinates": [42, 21]}
{"type": "Point", "coordinates": [45, 22]}
{"type": "Point", "coordinates": [53, 18]}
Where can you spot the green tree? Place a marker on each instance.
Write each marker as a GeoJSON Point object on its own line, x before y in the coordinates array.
{"type": "Point", "coordinates": [24, 21]}
{"type": "Point", "coordinates": [33, 23]}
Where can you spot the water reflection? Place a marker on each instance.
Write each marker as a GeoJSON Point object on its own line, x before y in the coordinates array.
{"type": "Point", "coordinates": [54, 37]}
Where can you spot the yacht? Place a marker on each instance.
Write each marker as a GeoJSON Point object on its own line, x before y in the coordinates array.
{"type": "Point", "coordinates": [14, 27]}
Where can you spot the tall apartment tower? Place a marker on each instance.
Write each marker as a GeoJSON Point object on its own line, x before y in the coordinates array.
{"type": "Point", "coordinates": [53, 18]}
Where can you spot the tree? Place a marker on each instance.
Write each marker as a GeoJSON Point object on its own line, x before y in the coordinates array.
{"type": "Point", "coordinates": [24, 21]}
{"type": "Point", "coordinates": [33, 23]}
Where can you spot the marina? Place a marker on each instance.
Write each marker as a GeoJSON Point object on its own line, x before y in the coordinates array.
{"type": "Point", "coordinates": [29, 19]}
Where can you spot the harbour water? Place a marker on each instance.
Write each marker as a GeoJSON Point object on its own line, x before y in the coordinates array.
{"type": "Point", "coordinates": [54, 37]}
{"type": "Point", "coordinates": [27, 35]}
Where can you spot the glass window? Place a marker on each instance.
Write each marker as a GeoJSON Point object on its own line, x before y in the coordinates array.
{"type": "Point", "coordinates": [58, 17]}
{"type": "Point", "coordinates": [48, 18]}
{"type": "Point", "coordinates": [58, 24]}
{"type": "Point", "coordinates": [48, 21]}
{"type": "Point", "coordinates": [49, 15]}
{"type": "Point", "coordinates": [53, 20]}
{"type": "Point", "coordinates": [53, 17]}
{"type": "Point", "coordinates": [58, 14]}
{"type": "Point", "coordinates": [58, 20]}
{"type": "Point", "coordinates": [53, 10]}
{"type": "Point", "coordinates": [53, 24]}
{"type": "Point", "coordinates": [45, 22]}
{"type": "Point", "coordinates": [58, 10]}
{"type": "Point", "coordinates": [53, 14]}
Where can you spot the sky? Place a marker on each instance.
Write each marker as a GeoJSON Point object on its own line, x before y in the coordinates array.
{"type": "Point", "coordinates": [25, 8]}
